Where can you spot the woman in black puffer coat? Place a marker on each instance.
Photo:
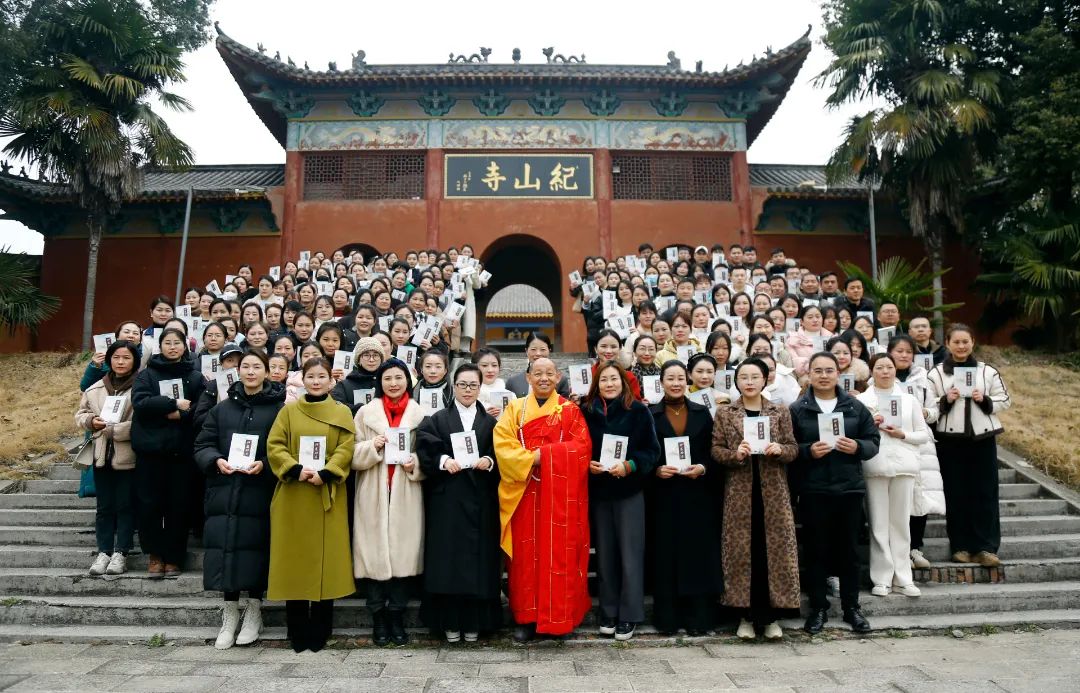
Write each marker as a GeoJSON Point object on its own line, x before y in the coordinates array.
{"type": "Point", "coordinates": [162, 438]}
{"type": "Point", "coordinates": [237, 502]}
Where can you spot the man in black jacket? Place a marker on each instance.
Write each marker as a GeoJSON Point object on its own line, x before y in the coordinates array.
{"type": "Point", "coordinates": [831, 489]}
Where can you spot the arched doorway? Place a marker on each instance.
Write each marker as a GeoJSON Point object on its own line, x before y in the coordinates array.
{"type": "Point", "coordinates": [367, 251]}
{"type": "Point", "coordinates": [522, 259]}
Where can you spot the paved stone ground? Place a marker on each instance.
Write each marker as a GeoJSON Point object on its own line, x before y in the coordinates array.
{"type": "Point", "coordinates": [1045, 661]}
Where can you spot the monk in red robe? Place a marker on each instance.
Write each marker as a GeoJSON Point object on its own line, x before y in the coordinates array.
{"type": "Point", "coordinates": [543, 450]}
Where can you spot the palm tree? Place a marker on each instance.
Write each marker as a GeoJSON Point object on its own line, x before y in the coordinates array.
{"type": "Point", "coordinates": [910, 288]}
{"type": "Point", "coordinates": [937, 99]}
{"type": "Point", "coordinates": [22, 304]}
{"type": "Point", "coordinates": [84, 116]}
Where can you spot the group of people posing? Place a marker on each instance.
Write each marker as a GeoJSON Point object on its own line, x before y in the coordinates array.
{"type": "Point", "coordinates": [322, 450]}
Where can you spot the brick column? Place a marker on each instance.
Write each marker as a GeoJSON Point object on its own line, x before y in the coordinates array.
{"type": "Point", "coordinates": [433, 193]}
{"type": "Point", "coordinates": [294, 192]}
{"type": "Point", "coordinates": [602, 189]}
{"type": "Point", "coordinates": [740, 189]}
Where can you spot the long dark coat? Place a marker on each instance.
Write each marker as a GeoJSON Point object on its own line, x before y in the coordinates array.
{"type": "Point", "coordinates": [461, 546]}
{"type": "Point", "coordinates": [237, 506]}
{"type": "Point", "coordinates": [685, 516]}
{"type": "Point", "coordinates": [783, 554]}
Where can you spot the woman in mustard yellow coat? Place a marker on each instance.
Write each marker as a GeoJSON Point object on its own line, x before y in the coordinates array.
{"type": "Point", "coordinates": [310, 559]}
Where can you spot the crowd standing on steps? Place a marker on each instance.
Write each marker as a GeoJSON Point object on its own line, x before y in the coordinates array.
{"type": "Point", "coordinates": [332, 428]}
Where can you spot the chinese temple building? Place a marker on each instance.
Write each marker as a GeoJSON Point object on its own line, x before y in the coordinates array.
{"type": "Point", "coordinates": [535, 164]}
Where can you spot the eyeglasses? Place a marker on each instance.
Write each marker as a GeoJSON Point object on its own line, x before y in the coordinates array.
{"type": "Point", "coordinates": [468, 386]}
{"type": "Point", "coordinates": [824, 371]}
{"type": "Point", "coordinates": [370, 355]}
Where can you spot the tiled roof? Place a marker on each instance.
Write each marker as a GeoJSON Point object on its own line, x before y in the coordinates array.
{"type": "Point", "coordinates": [253, 70]}
{"type": "Point", "coordinates": [802, 180]}
{"type": "Point", "coordinates": [519, 301]}
{"type": "Point", "coordinates": [228, 181]}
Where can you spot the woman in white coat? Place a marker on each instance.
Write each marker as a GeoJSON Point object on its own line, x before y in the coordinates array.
{"type": "Point", "coordinates": [388, 511]}
{"type": "Point", "coordinates": [472, 282]}
{"type": "Point", "coordinates": [929, 489]}
{"type": "Point", "coordinates": [890, 478]}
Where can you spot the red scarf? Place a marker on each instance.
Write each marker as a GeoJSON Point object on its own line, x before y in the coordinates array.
{"type": "Point", "coordinates": [394, 412]}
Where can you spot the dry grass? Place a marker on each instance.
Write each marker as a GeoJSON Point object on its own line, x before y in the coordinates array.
{"type": "Point", "coordinates": [1044, 422]}
{"type": "Point", "coordinates": [38, 397]}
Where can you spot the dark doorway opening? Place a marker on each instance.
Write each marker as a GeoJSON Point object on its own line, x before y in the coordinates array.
{"type": "Point", "coordinates": [522, 259]}
{"type": "Point", "coordinates": [368, 251]}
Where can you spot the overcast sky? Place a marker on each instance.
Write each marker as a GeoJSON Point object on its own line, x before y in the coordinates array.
{"type": "Point", "coordinates": [223, 129]}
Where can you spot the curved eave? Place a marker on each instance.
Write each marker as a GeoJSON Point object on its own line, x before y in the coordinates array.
{"type": "Point", "coordinates": [40, 192]}
{"type": "Point", "coordinates": [836, 194]}
{"type": "Point", "coordinates": [249, 66]}
{"type": "Point", "coordinates": [520, 316]}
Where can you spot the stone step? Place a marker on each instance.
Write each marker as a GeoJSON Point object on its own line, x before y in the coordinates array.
{"type": "Point", "coordinates": [194, 610]}
{"type": "Point", "coordinates": [76, 557]}
{"type": "Point", "coordinates": [64, 472]}
{"type": "Point", "coordinates": [1011, 570]}
{"type": "Point", "coordinates": [1031, 507]}
{"type": "Point", "coordinates": [1009, 476]}
{"type": "Point", "coordinates": [1018, 491]}
{"type": "Point", "coordinates": [75, 581]}
{"type": "Point", "coordinates": [51, 486]}
{"type": "Point", "coordinates": [1020, 526]}
{"type": "Point", "coordinates": [62, 517]}
{"type": "Point", "coordinates": [1041, 546]}
{"type": "Point", "coordinates": [46, 500]}
{"type": "Point", "coordinates": [47, 536]}
{"type": "Point", "coordinates": [582, 637]}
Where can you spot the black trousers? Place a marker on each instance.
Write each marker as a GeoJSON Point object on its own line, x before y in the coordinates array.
{"type": "Point", "coordinates": [392, 594]}
{"type": "Point", "coordinates": [831, 525]}
{"type": "Point", "coordinates": [114, 522]}
{"type": "Point", "coordinates": [917, 524]}
{"type": "Point", "coordinates": [235, 596]}
{"type": "Point", "coordinates": [163, 491]}
{"type": "Point", "coordinates": [969, 470]}
{"type": "Point", "coordinates": [309, 622]}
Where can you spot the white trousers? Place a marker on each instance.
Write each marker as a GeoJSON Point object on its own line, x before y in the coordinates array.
{"type": "Point", "coordinates": [889, 500]}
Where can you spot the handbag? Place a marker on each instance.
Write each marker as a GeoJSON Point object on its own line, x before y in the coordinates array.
{"type": "Point", "coordinates": [84, 456]}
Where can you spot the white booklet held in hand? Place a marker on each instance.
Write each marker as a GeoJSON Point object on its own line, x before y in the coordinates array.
{"type": "Point", "coordinates": [847, 382]}
{"type": "Point", "coordinates": [926, 361]}
{"type": "Point", "coordinates": [705, 396]}
{"type": "Point", "coordinates": [398, 446]}
{"type": "Point", "coordinates": [677, 452]}
{"type": "Point", "coordinates": [102, 342]}
{"type": "Point", "coordinates": [408, 355]}
{"type": "Point", "coordinates": [830, 428]}
{"type": "Point", "coordinates": [313, 452]}
{"type": "Point", "coordinates": [211, 365]}
{"type": "Point", "coordinates": [363, 396]}
{"type": "Point", "coordinates": [890, 408]}
{"type": "Point", "coordinates": [756, 432]}
{"type": "Point", "coordinates": [501, 399]}
{"type": "Point", "coordinates": [173, 388]}
{"type": "Point", "coordinates": [112, 411]}
{"type": "Point", "coordinates": [343, 360]}
{"type": "Point", "coordinates": [466, 450]}
{"type": "Point", "coordinates": [580, 378]}
{"type": "Point", "coordinates": [431, 399]}
{"type": "Point", "coordinates": [964, 380]}
{"type": "Point", "coordinates": [242, 449]}
{"type": "Point", "coordinates": [224, 381]}
{"type": "Point", "coordinates": [652, 389]}
{"type": "Point", "coordinates": [613, 450]}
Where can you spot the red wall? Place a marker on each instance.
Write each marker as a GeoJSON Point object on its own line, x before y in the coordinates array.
{"type": "Point", "coordinates": [131, 271]}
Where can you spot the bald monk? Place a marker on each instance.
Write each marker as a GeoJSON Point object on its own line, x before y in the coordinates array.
{"type": "Point", "coordinates": [543, 450]}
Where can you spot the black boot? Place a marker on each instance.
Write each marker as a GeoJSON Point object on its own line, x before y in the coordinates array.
{"type": "Point", "coordinates": [858, 622]}
{"type": "Point", "coordinates": [397, 628]}
{"type": "Point", "coordinates": [816, 621]}
{"type": "Point", "coordinates": [524, 632]}
{"type": "Point", "coordinates": [380, 634]}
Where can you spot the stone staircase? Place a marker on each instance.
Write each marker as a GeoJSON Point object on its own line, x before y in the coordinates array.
{"type": "Point", "coordinates": [47, 543]}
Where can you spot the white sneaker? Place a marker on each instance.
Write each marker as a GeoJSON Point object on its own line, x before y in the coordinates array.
{"type": "Point", "coordinates": [880, 591]}
{"type": "Point", "coordinates": [453, 636]}
{"type": "Point", "coordinates": [100, 564]}
{"type": "Point", "coordinates": [918, 560]}
{"type": "Point", "coordinates": [472, 637]}
{"type": "Point", "coordinates": [252, 624]}
{"type": "Point", "coordinates": [907, 590]}
{"type": "Point", "coordinates": [230, 619]}
{"type": "Point", "coordinates": [832, 583]}
{"type": "Point", "coordinates": [117, 564]}
{"type": "Point", "coordinates": [746, 630]}
{"type": "Point", "coordinates": [773, 632]}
